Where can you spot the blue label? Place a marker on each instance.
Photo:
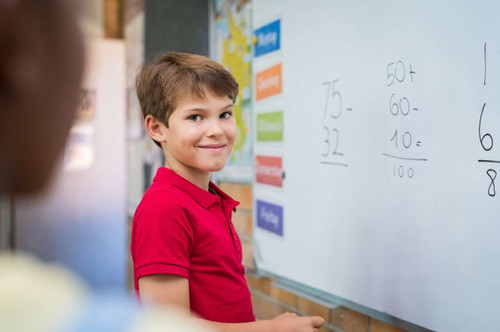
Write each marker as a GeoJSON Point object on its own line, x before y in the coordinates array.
{"type": "Point", "coordinates": [268, 38]}
{"type": "Point", "coordinates": [270, 217]}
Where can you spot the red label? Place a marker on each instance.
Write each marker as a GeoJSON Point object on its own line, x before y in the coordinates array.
{"type": "Point", "coordinates": [269, 170]}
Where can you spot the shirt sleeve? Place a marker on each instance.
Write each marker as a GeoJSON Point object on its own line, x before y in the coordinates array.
{"type": "Point", "coordinates": [162, 237]}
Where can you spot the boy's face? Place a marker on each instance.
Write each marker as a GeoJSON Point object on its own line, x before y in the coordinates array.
{"type": "Point", "coordinates": [200, 135]}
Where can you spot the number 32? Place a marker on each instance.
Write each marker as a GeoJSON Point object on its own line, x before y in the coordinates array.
{"type": "Point", "coordinates": [328, 141]}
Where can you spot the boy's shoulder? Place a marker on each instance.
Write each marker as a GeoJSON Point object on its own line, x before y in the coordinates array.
{"type": "Point", "coordinates": [163, 198]}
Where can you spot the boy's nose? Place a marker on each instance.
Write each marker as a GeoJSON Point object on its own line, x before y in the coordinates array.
{"type": "Point", "coordinates": [215, 128]}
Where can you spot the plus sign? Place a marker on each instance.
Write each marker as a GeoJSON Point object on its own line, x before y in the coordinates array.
{"type": "Point", "coordinates": [411, 73]}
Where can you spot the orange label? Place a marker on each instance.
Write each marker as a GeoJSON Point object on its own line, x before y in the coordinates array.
{"type": "Point", "coordinates": [268, 82]}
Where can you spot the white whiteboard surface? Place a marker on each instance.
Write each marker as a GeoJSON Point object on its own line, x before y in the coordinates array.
{"type": "Point", "coordinates": [422, 247]}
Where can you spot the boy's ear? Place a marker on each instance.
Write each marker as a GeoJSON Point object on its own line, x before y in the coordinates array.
{"type": "Point", "coordinates": [155, 128]}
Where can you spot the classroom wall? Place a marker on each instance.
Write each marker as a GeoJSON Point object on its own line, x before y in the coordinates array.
{"type": "Point", "coordinates": [79, 219]}
{"type": "Point", "coordinates": [114, 18]}
{"type": "Point", "coordinates": [176, 25]}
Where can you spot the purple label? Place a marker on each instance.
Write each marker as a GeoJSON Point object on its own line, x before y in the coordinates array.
{"type": "Point", "coordinates": [270, 217]}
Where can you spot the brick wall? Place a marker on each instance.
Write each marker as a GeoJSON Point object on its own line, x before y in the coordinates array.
{"type": "Point", "coordinates": [271, 299]}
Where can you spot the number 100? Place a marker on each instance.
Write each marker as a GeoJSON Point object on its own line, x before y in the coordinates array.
{"type": "Point", "coordinates": [401, 172]}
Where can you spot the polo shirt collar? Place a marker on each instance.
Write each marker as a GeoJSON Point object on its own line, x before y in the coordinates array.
{"type": "Point", "coordinates": [227, 201]}
{"type": "Point", "coordinates": [203, 197]}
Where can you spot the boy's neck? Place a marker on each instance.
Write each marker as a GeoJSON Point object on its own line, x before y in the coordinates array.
{"type": "Point", "coordinates": [196, 177]}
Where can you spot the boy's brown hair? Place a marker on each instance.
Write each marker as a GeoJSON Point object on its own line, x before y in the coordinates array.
{"type": "Point", "coordinates": [174, 75]}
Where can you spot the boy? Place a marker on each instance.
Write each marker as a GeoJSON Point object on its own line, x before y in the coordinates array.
{"type": "Point", "coordinates": [184, 246]}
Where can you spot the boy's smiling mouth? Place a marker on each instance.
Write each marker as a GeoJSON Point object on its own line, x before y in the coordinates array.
{"type": "Point", "coordinates": [214, 147]}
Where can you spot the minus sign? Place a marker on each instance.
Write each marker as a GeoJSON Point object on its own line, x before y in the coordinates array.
{"type": "Point", "coordinates": [348, 109]}
{"type": "Point", "coordinates": [415, 109]}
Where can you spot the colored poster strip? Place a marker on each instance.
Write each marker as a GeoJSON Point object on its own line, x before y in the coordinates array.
{"type": "Point", "coordinates": [269, 170]}
{"type": "Point", "coordinates": [268, 38]}
{"type": "Point", "coordinates": [270, 217]}
{"type": "Point", "coordinates": [268, 82]}
{"type": "Point", "coordinates": [270, 127]}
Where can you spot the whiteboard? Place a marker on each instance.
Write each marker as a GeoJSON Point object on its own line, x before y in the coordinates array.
{"type": "Point", "coordinates": [390, 150]}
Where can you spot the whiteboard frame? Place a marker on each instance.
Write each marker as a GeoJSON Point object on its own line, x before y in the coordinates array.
{"type": "Point", "coordinates": [333, 300]}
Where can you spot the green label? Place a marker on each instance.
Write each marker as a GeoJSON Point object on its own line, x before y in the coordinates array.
{"type": "Point", "coordinates": [270, 127]}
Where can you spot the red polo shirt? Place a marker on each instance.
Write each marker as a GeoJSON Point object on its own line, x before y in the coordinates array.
{"type": "Point", "coordinates": [182, 229]}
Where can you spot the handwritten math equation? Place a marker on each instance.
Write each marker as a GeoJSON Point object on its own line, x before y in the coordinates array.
{"type": "Point", "coordinates": [334, 109]}
{"type": "Point", "coordinates": [403, 146]}
{"type": "Point", "coordinates": [486, 138]}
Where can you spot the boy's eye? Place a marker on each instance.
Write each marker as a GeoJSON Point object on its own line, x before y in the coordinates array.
{"type": "Point", "coordinates": [226, 115]}
{"type": "Point", "coordinates": [195, 118]}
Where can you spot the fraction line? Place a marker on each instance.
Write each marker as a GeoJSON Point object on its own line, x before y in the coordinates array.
{"type": "Point", "coordinates": [404, 158]}
{"type": "Point", "coordinates": [488, 161]}
{"type": "Point", "coordinates": [333, 163]}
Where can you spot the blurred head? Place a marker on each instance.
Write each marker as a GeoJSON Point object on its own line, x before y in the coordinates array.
{"type": "Point", "coordinates": [179, 76]}
{"type": "Point", "coordinates": [41, 65]}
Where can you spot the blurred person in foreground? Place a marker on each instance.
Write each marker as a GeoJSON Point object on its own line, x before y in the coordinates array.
{"type": "Point", "coordinates": [41, 66]}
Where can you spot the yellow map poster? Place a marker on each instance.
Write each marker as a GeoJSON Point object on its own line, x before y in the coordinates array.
{"type": "Point", "coordinates": [233, 49]}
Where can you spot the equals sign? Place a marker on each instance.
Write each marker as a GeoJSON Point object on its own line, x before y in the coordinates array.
{"type": "Point", "coordinates": [418, 143]}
